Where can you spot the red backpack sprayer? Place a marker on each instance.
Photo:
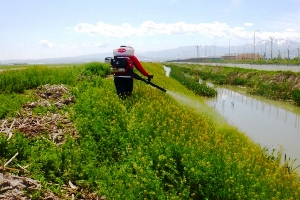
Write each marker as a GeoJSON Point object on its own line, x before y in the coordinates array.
{"type": "Point", "coordinates": [123, 63]}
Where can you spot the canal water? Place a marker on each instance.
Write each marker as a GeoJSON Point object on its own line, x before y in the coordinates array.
{"type": "Point", "coordinates": [293, 68]}
{"type": "Point", "coordinates": [266, 123]}
{"type": "Point", "coordinates": [272, 124]}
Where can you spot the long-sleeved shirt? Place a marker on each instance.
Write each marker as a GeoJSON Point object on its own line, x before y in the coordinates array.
{"type": "Point", "coordinates": [135, 63]}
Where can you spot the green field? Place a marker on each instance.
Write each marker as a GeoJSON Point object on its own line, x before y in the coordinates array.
{"type": "Point", "coordinates": [148, 146]}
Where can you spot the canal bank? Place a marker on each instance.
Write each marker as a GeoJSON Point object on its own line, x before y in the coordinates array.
{"type": "Point", "coordinates": [272, 124]}
{"type": "Point", "coordinates": [293, 68]}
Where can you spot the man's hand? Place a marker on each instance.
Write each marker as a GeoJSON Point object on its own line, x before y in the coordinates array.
{"type": "Point", "coordinates": [150, 77]}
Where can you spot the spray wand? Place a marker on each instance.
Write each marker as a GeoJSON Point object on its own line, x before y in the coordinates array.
{"type": "Point", "coordinates": [148, 81]}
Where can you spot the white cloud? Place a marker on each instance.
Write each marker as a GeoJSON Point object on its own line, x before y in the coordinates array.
{"type": "Point", "coordinates": [290, 30]}
{"type": "Point", "coordinates": [150, 28]}
{"type": "Point", "coordinates": [105, 29]}
{"type": "Point", "coordinates": [248, 24]}
{"type": "Point", "coordinates": [46, 43]}
{"type": "Point", "coordinates": [208, 30]}
{"type": "Point", "coordinates": [96, 44]}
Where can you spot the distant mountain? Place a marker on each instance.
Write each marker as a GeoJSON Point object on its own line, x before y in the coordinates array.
{"type": "Point", "coordinates": [279, 46]}
{"type": "Point", "coordinates": [75, 59]}
{"type": "Point", "coordinates": [284, 47]}
{"type": "Point", "coordinates": [63, 60]}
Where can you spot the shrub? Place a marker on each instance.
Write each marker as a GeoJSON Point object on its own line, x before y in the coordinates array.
{"type": "Point", "coordinates": [20, 80]}
{"type": "Point", "coordinates": [192, 83]}
{"type": "Point", "coordinates": [96, 68]}
{"type": "Point", "coordinates": [296, 96]}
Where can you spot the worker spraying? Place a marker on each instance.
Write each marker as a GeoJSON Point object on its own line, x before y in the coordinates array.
{"type": "Point", "coordinates": [122, 66]}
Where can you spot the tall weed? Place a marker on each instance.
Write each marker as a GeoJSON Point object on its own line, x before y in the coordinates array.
{"type": "Point", "coordinates": [20, 80]}
{"type": "Point", "coordinates": [296, 96]}
{"type": "Point", "coordinates": [192, 83]}
{"type": "Point", "coordinates": [278, 85]}
{"type": "Point", "coordinates": [149, 146]}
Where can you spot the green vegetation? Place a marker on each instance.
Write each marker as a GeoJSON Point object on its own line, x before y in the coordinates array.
{"type": "Point", "coordinates": [145, 147]}
{"type": "Point", "coordinates": [192, 83]}
{"type": "Point", "coordinates": [276, 85]}
{"type": "Point", "coordinates": [274, 61]}
{"type": "Point", "coordinates": [12, 102]}
{"type": "Point", "coordinates": [17, 81]}
{"type": "Point", "coordinates": [296, 96]}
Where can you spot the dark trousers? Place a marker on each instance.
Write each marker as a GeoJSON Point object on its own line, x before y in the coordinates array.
{"type": "Point", "coordinates": [124, 86]}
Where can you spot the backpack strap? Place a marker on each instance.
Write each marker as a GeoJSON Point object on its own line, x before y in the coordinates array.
{"type": "Point", "coordinates": [122, 64]}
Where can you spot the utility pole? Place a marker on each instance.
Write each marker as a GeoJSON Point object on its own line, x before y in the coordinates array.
{"type": "Point", "coordinates": [298, 56]}
{"type": "Point", "coordinates": [197, 46]}
{"type": "Point", "coordinates": [229, 46]}
{"type": "Point", "coordinates": [288, 49]}
{"type": "Point", "coordinates": [254, 46]}
{"type": "Point", "coordinates": [271, 46]}
{"type": "Point", "coordinates": [260, 47]}
{"type": "Point", "coordinates": [215, 50]}
{"type": "Point", "coordinates": [265, 54]}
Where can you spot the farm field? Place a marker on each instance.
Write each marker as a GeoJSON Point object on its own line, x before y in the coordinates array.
{"type": "Point", "coordinates": [66, 132]}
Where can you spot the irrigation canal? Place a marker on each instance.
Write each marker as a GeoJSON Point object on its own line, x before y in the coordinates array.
{"type": "Point", "coordinates": [270, 67]}
{"type": "Point", "coordinates": [272, 124]}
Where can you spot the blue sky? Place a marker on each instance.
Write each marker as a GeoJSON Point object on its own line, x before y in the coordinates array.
{"type": "Point", "coordinates": [33, 29]}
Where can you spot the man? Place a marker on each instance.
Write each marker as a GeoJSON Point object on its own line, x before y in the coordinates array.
{"type": "Point", "coordinates": [122, 68]}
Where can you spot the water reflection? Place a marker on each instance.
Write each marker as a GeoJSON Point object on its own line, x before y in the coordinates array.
{"type": "Point", "coordinates": [167, 70]}
{"type": "Point", "coordinates": [268, 67]}
{"type": "Point", "coordinates": [269, 125]}
{"type": "Point", "coordinates": [264, 123]}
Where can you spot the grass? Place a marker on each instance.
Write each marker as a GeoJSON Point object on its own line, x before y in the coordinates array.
{"type": "Point", "coordinates": [149, 147]}
{"type": "Point", "coordinates": [274, 61]}
{"type": "Point", "coordinates": [276, 85]}
{"type": "Point", "coordinates": [20, 80]}
{"type": "Point", "coordinates": [10, 103]}
{"type": "Point", "coordinates": [192, 83]}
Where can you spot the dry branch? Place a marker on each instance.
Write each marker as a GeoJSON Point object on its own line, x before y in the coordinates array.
{"type": "Point", "coordinates": [55, 125]}
{"type": "Point", "coordinates": [9, 161]}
